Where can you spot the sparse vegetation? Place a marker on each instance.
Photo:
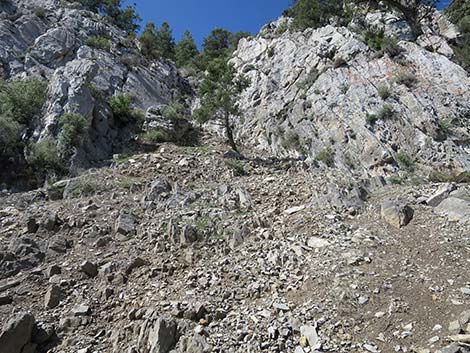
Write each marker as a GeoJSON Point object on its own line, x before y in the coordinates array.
{"type": "Point", "coordinates": [44, 158]}
{"type": "Point", "coordinates": [282, 28]}
{"type": "Point", "coordinates": [155, 136]}
{"type": "Point", "coordinates": [371, 119]}
{"type": "Point", "coordinates": [405, 161]}
{"type": "Point", "coordinates": [326, 156]}
{"type": "Point", "coordinates": [20, 102]}
{"type": "Point", "coordinates": [291, 140]}
{"type": "Point", "coordinates": [100, 43]}
{"type": "Point", "coordinates": [406, 78]}
{"type": "Point", "coordinates": [383, 91]}
{"type": "Point", "coordinates": [235, 166]}
{"type": "Point", "coordinates": [386, 112]}
{"type": "Point", "coordinates": [378, 41]}
{"type": "Point", "coordinates": [73, 126]}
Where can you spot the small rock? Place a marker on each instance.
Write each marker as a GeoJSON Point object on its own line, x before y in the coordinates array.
{"type": "Point", "coordinates": [53, 296]}
{"type": "Point", "coordinates": [310, 333]}
{"type": "Point", "coordinates": [5, 299]}
{"type": "Point", "coordinates": [440, 195]}
{"type": "Point", "coordinates": [53, 270]}
{"type": "Point", "coordinates": [81, 310]}
{"type": "Point", "coordinates": [317, 243]}
{"type": "Point", "coordinates": [125, 224]}
{"type": "Point", "coordinates": [454, 327]}
{"type": "Point", "coordinates": [281, 306]}
{"type": "Point", "coordinates": [465, 290]}
{"type": "Point", "coordinates": [89, 268]}
{"type": "Point", "coordinates": [31, 225]}
{"type": "Point", "coordinates": [136, 263]}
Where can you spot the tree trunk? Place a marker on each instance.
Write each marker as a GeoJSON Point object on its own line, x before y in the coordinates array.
{"type": "Point", "coordinates": [228, 130]}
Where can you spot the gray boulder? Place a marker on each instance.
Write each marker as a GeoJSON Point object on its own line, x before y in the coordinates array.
{"type": "Point", "coordinates": [396, 214]}
{"type": "Point", "coordinates": [157, 336]}
{"type": "Point", "coordinates": [16, 334]}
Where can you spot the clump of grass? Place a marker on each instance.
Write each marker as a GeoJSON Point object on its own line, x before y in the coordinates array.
{"type": "Point", "coordinates": [291, 140]}
{"type": "Point", "coordinates": [406, 78]}
{"type": "Point", "coordinates": [385, 112]}
{"type": "Point", "coordinates": [384, 91]}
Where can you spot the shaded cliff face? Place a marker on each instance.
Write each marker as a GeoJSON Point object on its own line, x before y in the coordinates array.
{"type": "Point", "coordinates": [324, 93]}
{"type": "Point", "coordinates": [58, 43]}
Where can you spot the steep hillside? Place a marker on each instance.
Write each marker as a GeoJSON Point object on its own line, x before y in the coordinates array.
{"type": "Point", "coordinates": [357, 99]}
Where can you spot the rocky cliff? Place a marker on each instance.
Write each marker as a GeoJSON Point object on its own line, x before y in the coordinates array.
{"type": "Point", "coordinates": [325, 94]}
{"type": "Point", "coordinates": [80, 54]}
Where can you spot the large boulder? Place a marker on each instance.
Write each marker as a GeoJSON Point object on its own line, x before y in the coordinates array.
{"type": "Point", "coordinates": [16, 334]}
{"type": "Point", "coordinates": [157, 336]}
{"type": "Point", "coordinates": [396, 214]}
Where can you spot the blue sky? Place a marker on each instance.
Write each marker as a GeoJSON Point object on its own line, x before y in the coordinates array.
{"type": "Point", "coordinates": [201, 16]}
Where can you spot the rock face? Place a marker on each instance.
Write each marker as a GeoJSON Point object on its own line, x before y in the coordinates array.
{"type": "Point", "coordinates": [316, 93]}
{"type": "Point", "coordinates": [57, 47]}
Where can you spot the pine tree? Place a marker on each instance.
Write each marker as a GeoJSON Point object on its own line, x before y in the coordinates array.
{"type": "Point", "coordinates": [218, 92]}
{"type": "Point", "coordinates": [165, 43]}
{"type": "Point", "coordinates": [148, 41]}
{"type": "Point", "coordinates": [185, 50]}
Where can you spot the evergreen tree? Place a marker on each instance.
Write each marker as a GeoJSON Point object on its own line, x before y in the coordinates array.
{"type": "Point", "coordinates": [165, 43]}
{"type": "Point", "coordinates": [218, 92]}
{"type": "Point", "coordinates": [148, 40]}
{"type": "Point", "coordinates": [157, 43]}
{"type": "Point", "coordinates": [217, 43]}
{"type": "Point", "coordinates": [185, 50]}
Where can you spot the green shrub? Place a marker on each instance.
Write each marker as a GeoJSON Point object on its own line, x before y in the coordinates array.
{"type": "Point", "coordinates": [383, 91]}
{"type": "Point", "coordinates": [10, 136]}
{"type": "Point", "coordinates": [22, 100]}
{"type": "Point", "coordinates": [174, 111]}
{"type": "Point", "coordinates": [155, 136]}
{"type": "Point", "coordinates": [378, 41]}
{"type": "Point", "coordinates": [385, 112]}
{"type": "Point", "coordinates": [73, 127]}
{"type": "Point", "coordinates": [404, 161]}
{"type": "Point", "coordinates": [44, 158]}
{"type": "Point", "coordinates": [314, 13]}
{"type": "Point", "coordinates": [326, 156]}
{"type": "Point", "coordinates": [444, 126]}
{"type": "Point", "coordinates": [40, 12]}
{"type": "Point", "coordinates": [99, 43]}
{"type": "Point", "coordinates": [406, 78]}
{"type": "Point", "coordinates": [371, 118]}
{"type": "Point", "coordinates": [123, 113]}
{"type": "Point", "coordinates": [396, 180]}
{"type": "Point", "coordinates": [373, 38]}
